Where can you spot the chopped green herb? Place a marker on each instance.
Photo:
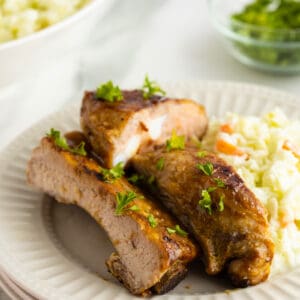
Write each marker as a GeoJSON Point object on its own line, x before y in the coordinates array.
{"type": "Point", "coordinates": [160, 164]}
{"type": "Point", "coordinates": [211, 189]}
{"type": "Point", "coordinates": [61, 142]}
{"type": "Point", "coordinates": [151, 88]}
{"type": "Point", "coordinates": [175, 142]}
{"type": "Point", "coordinates": [201, 154]}
{"type": "Point", "coordinates": [205, 201]}
{"type": "Point", "coordinates": [134, 178]}
{"type": "Point", "coordinates": [134, 208]}
{"type": "Point", "coordinates": [180, 231]}
{"type": "Point", "coordinates": [114, 173]}
{"type": "Point", "coordinates": [221, 203]}
{"type": "Point", "coordinates": [171, 230]}
{"type": "Point", "coordinates": [220, 183]}
{"type": "Point", "coordinates": [268, 21]}
{"type": "Point", "coordinates": [177, 230]}
{"type": "Point", "coordinates": [79, 149]}
{"type": "Point", "coordinates": [151, 179]}
{"type": "Point", "coordinates": [152, 221]}
{"type": "Point", "coordinates": [109, 92]}
{"type": "Point", "coordinates": [123, 199]}
{"type": "Point", "coordinates": [271, 14]}
{"type": "Point", "coordinates": [206, 168]}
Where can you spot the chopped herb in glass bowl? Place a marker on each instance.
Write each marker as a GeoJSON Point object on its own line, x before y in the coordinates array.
{"type": "Point", "coordinates": [261, 33]}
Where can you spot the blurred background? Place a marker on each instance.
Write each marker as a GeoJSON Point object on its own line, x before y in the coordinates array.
{"type": "Point", "coordinates": [168, 39]}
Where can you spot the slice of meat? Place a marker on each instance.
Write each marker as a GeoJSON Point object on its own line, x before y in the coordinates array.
{"type": "Point", "coordinates": [118, 130]}
{"type": "Point", "coordinates": [225, 217]}
{"type": "Point", "coordinates": [148, 259]}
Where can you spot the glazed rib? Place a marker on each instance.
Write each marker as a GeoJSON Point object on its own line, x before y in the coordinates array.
{"type": "Point", "coordinates": [119, 130]}
{"type": "Point", "coordinates": [147, 260]}
{"type": "Point", "coordinates": [235, 237]}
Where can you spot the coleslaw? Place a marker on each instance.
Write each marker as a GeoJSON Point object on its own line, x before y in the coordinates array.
{"type": "Point", "coordinates": [265, 152]}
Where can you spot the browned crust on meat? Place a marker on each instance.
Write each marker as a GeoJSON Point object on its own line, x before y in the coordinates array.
{"type": "Point", "coordinates": [237, 238]}
{"type": "Point", "coordinates": [168, 281]}
{"type": "Point", "coordinates": [175, 274]}
{"type": "Point", "coordinates": [133, 101]}
{"type": "Point", "coordinates": [74, 179]}
{"type": "Point", "coordinates": [108, 126]}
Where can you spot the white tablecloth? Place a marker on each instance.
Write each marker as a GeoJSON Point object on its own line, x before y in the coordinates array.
{"type": "Point", "coordinates": [168, 39]}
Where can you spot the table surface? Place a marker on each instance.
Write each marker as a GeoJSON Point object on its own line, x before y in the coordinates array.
{"type": "Point", "coordinates": [169, 40]}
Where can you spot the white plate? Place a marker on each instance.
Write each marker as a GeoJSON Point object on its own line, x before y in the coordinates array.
{"type": "Point", "coordinates": [58, 252]}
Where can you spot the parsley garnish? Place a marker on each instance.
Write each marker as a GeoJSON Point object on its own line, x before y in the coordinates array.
{"type": "Point", "coordinates": [151, 179]}
{"type": "Point", "coordinates": [180, 231]}
{"type": "Point", "coordinates": [201, 154]}
{"type": "Point", "coordinates": [171, 230]}
{"type": "Point", "coordinates": [205, 201]}
{"type": "Point", "coordinates": [109, 92]}
{"type": "Point", "coordinates": [160, 164]}
{"type": "Point", "coordinates": [152, 220]}
{"type": "Point", "coordinates": [220, 183]}
{"type": "Point", "coordinates": [61, 142]}
{"type": "Point", "coordinates": [134, 178]}
{"type": "Point", "coordinates": [221, 203]}
{"type": "Point", "coordinates": [123, 199]}
{"type": "Point", "coordinates": [177, 230]}
{"type": "Point", "coordinates": [116, 172]}
{"type": "Point", "coordinates": [277, 21]}
{"type": "Point", "coordinates": [211, 189]}
{"type": "Point", "coordinates": [207, 168]}
{"type": "Point", "coordinates": [151, 88]}
{"type": "Point", "coordinates": [134, 208]}
{"type": "Point", "coordinates": [175, 142]}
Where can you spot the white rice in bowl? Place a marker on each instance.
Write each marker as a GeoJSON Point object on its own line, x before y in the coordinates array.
{"type": "Point", "coordinates": [19, 18]}
{"type": "Point", "coordinates": [265, 152]}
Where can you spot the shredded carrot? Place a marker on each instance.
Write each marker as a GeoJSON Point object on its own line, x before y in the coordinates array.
{"type": "Point", "coordinates": [284, 219]}
{"type": "Point", "coordinates": [287, 145]}
{"type": "Point", "coordinates": [226, 128]}
{"type": "Point", "coordinates": [227, 148]}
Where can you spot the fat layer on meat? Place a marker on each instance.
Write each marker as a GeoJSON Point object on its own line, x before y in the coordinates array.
{"type": "Point", "coordinates": [147, 259]}
{"type": "Point", "coordinates": [119, 130]}
{"type": "Point", "coordinates": [225, 217]}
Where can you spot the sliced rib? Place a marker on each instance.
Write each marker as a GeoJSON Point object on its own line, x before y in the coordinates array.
{"type": "Point", "coordinates": [234, 234]}
{"type": "Point", "coordinates": [119, 130]}
{"type": "Point", "coordinates": [145, 256]}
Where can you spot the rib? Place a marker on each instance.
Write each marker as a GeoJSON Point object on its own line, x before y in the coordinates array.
{"type": "Point", "coordinates": [147, 260]}
{"type": "Point", "coordinates": [119, 130]}
{"type": "Point", "coordinates": [237, 238]}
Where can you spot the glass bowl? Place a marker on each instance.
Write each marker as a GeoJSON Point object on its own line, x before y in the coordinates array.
{"type": "Point", "coordinates": [266, 49]}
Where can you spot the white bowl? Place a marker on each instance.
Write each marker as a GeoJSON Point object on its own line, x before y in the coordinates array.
{"type": "Point", "coordinates": [21, 58]}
